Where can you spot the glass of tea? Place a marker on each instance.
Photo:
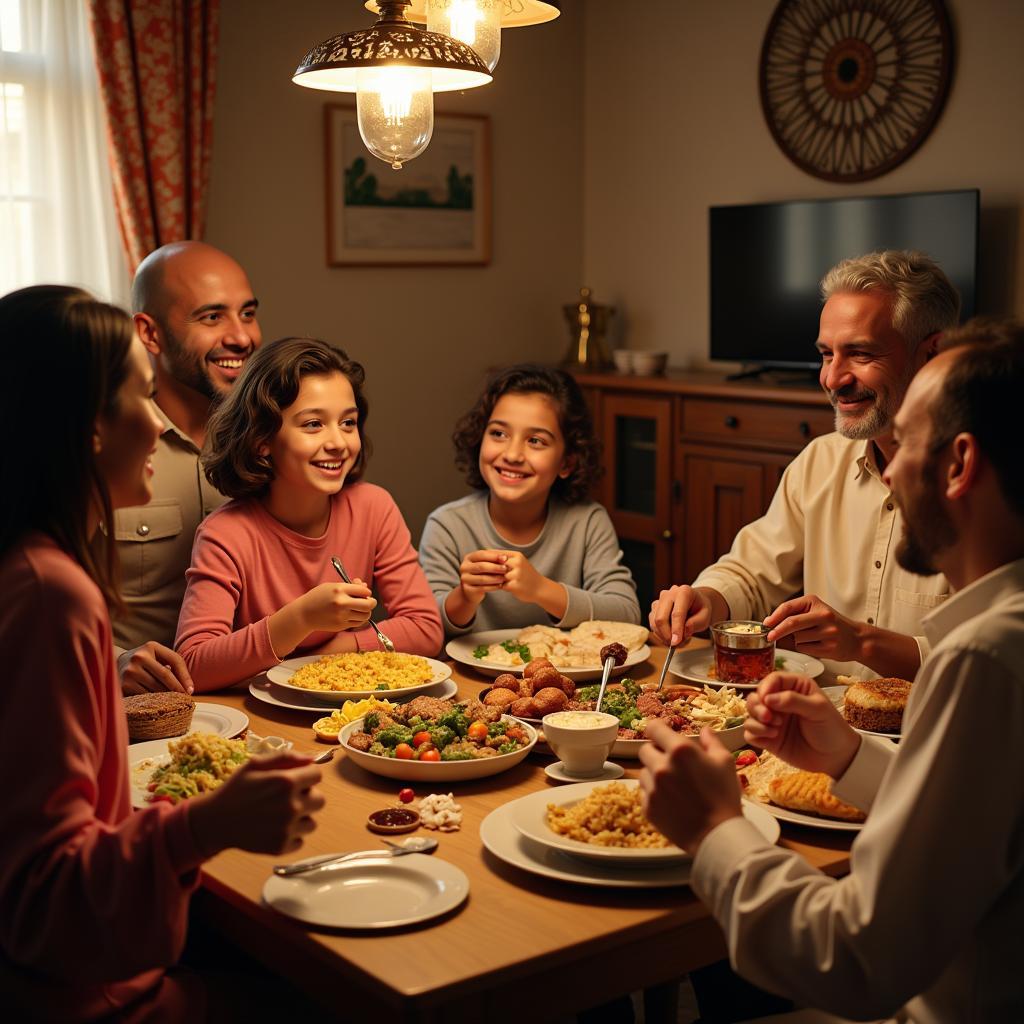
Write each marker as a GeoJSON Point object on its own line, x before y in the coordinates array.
{"type": "Point", "coordinates": [743, 653]}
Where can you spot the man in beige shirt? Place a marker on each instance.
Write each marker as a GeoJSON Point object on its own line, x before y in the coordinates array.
{"type": "Point", "coordinates": [829, 532]}
{"type": "Point", "coordinates": [927, 925]}
{"type": "Point", "coordinates": [195, 312]}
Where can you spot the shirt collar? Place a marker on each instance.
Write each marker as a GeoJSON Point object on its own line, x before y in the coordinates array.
{"type": "Point", "coordinates": [867, 462]}
{"type": "Point", "coordinates": [985, 593]}
{"type": "Point", "coordinates": [170, 428]}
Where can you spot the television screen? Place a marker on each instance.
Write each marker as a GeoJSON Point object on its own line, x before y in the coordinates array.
{"type": "Point", "coordinates": [767, 261]}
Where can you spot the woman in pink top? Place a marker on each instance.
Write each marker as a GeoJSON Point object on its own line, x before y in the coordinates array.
{"type": "Point", "coordinates": [93, 897]}
{"type": "Point", "coordinates": [288, 445]}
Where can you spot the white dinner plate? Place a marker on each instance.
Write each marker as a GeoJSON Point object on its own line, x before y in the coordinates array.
{"type": "Point", "coordinates": [798, 818]}
{"type": "Point", "coordinates": [370, 893]}
{"type": "Point", "coordinates": [286, 697]}
{"type": "Point", "coordinates": [461, 650]}
{"type": "Point", "coordinates": [837, 694]}
{"type": "Point", "coordinates": [143, 760]}
{"type": "Point", "coordinates": [693, 665]}
{"type": "Point", "coordinates": [508, 844]}
{"type": "Point", "coordinates": [281, 674]}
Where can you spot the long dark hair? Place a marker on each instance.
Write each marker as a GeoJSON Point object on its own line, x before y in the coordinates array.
{"type": "Point", "coordinates": [65, 357]}
{"type": "Point", "coordinates": [250, 415]}
{"type": "Point", "coordinates": [573, 418]}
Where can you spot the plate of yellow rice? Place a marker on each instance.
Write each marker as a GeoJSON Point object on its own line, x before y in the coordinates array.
{"type": "Point", "coordinates": [335, 678]}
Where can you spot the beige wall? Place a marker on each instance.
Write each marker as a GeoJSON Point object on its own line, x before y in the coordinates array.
{"type": "Point", "coordinates": [426, 336]}
{"type": "Point", "coordinates": [674, 125]}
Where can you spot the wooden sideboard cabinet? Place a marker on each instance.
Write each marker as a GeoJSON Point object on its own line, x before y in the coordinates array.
{"type": "Point", "coordinates": [689, 458]}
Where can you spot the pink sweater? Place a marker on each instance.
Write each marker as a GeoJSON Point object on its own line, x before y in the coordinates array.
{"type": "Point", "coordinates": [93, 897]}
{"type": "Point", "coordinates": [246, 566]}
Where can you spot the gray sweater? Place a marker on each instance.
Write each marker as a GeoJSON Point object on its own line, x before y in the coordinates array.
{"type": "Point", "coordinates": [577, 547]}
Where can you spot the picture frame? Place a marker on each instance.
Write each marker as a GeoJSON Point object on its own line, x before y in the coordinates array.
{"type": "Point", "coordinates": [435, 211]}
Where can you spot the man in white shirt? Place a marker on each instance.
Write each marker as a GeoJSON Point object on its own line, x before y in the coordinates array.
{"type": "Point", "coordinates": [829, 531]}
{"type": "Point", "coordinates": [927, 925]}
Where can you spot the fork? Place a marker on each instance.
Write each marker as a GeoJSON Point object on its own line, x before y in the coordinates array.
{"type": "Point", "coordinates": [385, 642]}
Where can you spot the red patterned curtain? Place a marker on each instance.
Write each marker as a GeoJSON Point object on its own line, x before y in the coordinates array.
{"type": "Point", "coordinates": [157, 62]}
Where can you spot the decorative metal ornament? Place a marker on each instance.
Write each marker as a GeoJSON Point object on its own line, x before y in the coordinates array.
{"type": "Point", "coordinates": [335, 63]}
{"type": "Point", "coordinates": [850, 88]}
{"type": "Point", "coordinates": [516, 13]}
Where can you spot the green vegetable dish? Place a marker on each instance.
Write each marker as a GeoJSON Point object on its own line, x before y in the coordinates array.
{"type": "Point", "coordinates": [509, 645]}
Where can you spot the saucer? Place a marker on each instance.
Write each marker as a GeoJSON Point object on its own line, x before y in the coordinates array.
{"type": "Point", "coordinates": [610, 771]}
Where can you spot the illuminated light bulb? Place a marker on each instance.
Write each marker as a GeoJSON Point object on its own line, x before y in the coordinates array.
{"type": "Point", "coordinates": [395, 110]}
{"type": "Point", "coordinates": [476, 23]}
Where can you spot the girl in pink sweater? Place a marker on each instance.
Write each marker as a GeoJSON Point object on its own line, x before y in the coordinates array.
{"type": "Point", "coordinates": [288, 445]}
{"type": "Point", "coordinates": [93, 897]}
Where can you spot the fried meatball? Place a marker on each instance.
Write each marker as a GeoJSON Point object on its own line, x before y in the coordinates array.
{"type": "Point", "coordinates": [549, 700]}
{"type": "Point", "coordinates": [500, 697]}
{"type": "Point", "coordinates": [524, 708]}
{"type": "Point", "coordinates": [525, 688]}
{"type": "Point", "coordinates": [535, 666]}
{"type": "Point", "coordinates": [566, 685]}
{"type": "Point", "coordinates": [506, 681]}
{"type": "Point", "coordinates": [545, 677]}
{"type": "Point", "coordinates": [616, 652]}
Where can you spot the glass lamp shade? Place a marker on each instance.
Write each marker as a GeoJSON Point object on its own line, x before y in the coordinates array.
{"type": "Point", "coordinates": [514, 13]}
{"type": "Point", "coordinates": [476, 23]}
{"type": "Point", "coordinates": [395, 111]}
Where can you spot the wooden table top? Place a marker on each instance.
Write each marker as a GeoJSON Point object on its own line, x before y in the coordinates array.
{"type": "Point", "coordinates": [517, 934]}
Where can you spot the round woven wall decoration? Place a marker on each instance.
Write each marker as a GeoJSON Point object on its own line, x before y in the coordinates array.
{"type": "Point", "coordinates": [850, 88]}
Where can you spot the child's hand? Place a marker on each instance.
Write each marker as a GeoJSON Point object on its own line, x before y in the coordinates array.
{"type": "Point", "coordinates": [480, 573]}
{"type": "Point", "coordinates": [337, 606]}
{"type": "Point", "coordinates": [521, 579]}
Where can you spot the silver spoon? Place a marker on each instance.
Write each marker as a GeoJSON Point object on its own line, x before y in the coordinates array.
{"type": "Point", "coordinates": [414, 844]}
{"type": "Point", "coordinates": [385, 642]}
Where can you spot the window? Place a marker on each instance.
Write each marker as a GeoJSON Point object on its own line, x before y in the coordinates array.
{"type": "Point", "coordinates": [57, 220]}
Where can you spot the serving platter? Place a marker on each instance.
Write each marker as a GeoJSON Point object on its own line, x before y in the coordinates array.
{"type": "Point", "coordinates": [693, 665]}
{"type": "Point", "coordinates": [370, 893]}
{"type": "Point", "coordinates": [461, 649]}
{"type": "Point", "coordinates": [284, 697]}
{"type": "Point", "coordinates": [281, 675]}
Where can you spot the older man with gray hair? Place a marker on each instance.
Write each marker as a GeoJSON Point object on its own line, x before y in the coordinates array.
{"type": "Point", "coordinates": [829, 533]}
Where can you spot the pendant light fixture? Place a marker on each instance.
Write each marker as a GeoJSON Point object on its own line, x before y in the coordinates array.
{"type": "Point", "coordinates": [478, 23]}
{"type": "Point", "coordinates": [394, 68]}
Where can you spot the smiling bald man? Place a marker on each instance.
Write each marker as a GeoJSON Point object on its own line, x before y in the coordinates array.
{"type": "Point", "coordinates": [195, 312]}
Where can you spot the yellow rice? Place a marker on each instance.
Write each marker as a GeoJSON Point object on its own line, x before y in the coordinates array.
{"type": "Point", "coordinates": [364, 671]}
{"type": "Point", "coordinates": [607, 816]}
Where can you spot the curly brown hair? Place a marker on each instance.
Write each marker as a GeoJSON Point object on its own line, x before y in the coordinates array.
{"type": "Point", "coordinates": [250, 416]}
{"type": "Point", "coordinates": [581, 445]}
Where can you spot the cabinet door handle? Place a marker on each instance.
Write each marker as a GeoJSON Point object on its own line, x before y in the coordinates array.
{"type": "Point", "coordinates": [804, 428]}
{"type": "Point", "coordinates": [666, 534]}
{"type": "Point", "coordinates": [731, 421]}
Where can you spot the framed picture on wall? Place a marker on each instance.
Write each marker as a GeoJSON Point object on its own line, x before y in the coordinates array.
{"type": "Point", "coordinates": [436, 210]}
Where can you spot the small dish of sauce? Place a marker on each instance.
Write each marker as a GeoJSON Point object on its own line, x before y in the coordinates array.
{"type": "Point", "coordinates": [393, 820]}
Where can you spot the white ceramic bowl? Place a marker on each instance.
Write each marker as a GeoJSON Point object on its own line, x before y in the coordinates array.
{"type": "Point", "coordinates": [623, 360]}
{"type": "Point", "coordinates": [436, 771]}
{"type": "Point", "coordinates": [582, 740]}
{"type": "Point", "coordinates": [649, 364]}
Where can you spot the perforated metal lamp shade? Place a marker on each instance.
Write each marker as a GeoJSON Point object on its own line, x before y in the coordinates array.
{"type": "Point", "coordinates": [516, 13]}
{"type": "Point", "coordinates": [335, 63]}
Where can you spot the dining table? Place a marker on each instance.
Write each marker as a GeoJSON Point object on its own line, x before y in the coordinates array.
{"type": "Point", "coordinates": [521, 946]}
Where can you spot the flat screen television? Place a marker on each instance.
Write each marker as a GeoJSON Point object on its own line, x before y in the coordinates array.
{"type": "Point", "coordinates": [767, 261]}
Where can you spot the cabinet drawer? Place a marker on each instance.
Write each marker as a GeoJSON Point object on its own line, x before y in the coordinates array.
{"type": "Point", "coordinates": [758, 424]}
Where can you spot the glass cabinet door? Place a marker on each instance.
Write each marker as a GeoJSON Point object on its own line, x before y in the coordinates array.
{"type": "Point", "coordinates": [636, 432]}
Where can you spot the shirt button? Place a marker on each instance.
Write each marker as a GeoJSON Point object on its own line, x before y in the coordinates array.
{"type": "Point", "coordinates": [878, 565]}
{"type": "Point", "coordinates": [888, 507]}
{"type": "Point", "coordinates": [871, 622]}
{"type": "Point", "coordinates": [142, 530]}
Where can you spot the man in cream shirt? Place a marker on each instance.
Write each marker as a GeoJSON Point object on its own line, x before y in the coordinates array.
{"type": "Point", "coordinates": [926, 927]}
{"type": "Point", "coordinates": [829, 532]}
{"type": "Point", "coordinates": [195, 312]}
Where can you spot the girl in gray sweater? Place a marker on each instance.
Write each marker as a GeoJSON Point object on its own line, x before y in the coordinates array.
{"type": "Point", "coordinates": [526, 547]}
